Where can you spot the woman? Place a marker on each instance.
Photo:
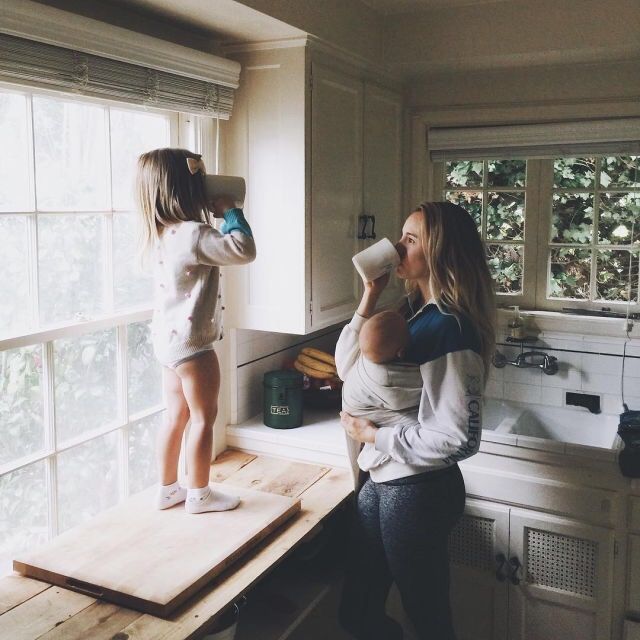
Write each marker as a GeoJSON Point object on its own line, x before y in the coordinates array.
{"type": "Point", "coordinates": [410, 503]}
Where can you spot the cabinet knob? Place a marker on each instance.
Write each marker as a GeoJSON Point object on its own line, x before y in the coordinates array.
{"type": "Point", "coordinates": [515, 565]}
{"type": "Point", "coordinates": [363, 220]}
{"type": "Point", "coordinates": [501, 572]}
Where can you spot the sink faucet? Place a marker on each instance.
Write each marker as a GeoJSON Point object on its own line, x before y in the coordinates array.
{"type": "Point", "coordinates": [528, 359]}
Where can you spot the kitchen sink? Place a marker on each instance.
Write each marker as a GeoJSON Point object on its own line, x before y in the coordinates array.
{"type": "Point", "coordinates": [558, 424]}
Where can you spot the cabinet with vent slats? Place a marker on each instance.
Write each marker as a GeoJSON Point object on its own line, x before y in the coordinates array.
{"type": "Point", "coordinates": [524, 575]}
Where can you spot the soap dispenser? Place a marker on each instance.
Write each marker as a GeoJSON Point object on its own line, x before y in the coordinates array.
{"type": "Point", "coordinates": [516, 325]}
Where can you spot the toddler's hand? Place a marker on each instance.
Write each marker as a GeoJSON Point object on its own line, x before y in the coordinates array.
{"type": "Point", "coordinates": [222, 204]}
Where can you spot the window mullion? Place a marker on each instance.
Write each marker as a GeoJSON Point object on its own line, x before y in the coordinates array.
{"type": "Point", "coordinates": [593, 291]}
{"type": "Point", "coordinates": [48, 373]}
{"type": "Point", "coordinates": [32, 224]}
{"type": "Point", "coordinates": [123, 408]}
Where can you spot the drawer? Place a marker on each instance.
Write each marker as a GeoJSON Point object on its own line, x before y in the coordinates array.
{"type": "Point", "coordinates": [597, 506]}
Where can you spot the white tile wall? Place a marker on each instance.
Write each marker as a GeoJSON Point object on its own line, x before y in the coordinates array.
{"type": "Point", "coordinates": [590, 364]}
{"type": "Point", "coordinates": [258, 352]}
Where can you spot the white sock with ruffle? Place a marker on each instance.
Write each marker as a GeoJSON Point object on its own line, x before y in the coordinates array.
{"type": "Point", "coordinates": [206, 499]}
{"type": "Point", "coordinates": [170, 495]}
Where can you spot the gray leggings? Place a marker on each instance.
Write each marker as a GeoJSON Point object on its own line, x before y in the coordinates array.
{"type": "Point", "coordinates": [400, 534]}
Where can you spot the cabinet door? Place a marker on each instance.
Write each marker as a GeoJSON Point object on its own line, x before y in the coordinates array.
{"type": "Point", "coordinates": [478, 596]}
{"type": "Point", "coordinates": [382, 191]}
{"type": "Point", "coordinates": [564, 580]}
{"type": "Point", "coordinates": [336, 193]}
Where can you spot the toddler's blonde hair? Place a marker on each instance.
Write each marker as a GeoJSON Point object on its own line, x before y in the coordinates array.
{"type": "Point", "coordinates": [167, 193]}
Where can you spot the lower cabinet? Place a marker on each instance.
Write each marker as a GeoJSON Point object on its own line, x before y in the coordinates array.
{"type": "Point", "coordinates": [524, 575]}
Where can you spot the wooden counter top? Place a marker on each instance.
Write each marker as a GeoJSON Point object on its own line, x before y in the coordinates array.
{"type": "Point", "coordinates": [31, 609]}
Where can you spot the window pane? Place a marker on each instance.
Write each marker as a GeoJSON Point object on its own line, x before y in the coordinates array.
{"type": "Point", "coordinates": [145, 374]}
{"type": "Point", "coordinates": [132, 133]}
{"type": "Point", "coordinates": [570, 273]}
{"type": "Point", "coordinates": [617, 214]}
{"type": "Point", "coordinates": [612, 281]}
{"type": "Point", "coordinates": [572, 217]}
{"type": "Point", "coordinates": [471, 201]}
{"type": "Point", "coordinates": [507, 173]}
{"type": "Point", "coordinates": [620, 172]}
{"type": "Point", "coordinates": [23, 512]}
{"type": "Point", "coordinates": [85, 383]}
{"type": "Point", "coordinates": [505, 216]}
{"type": "Point", "coordinates": [87, 480]}
{"type": "Point", "coordinates": [133, 283]}
{"type": "Point", "coordinates": [505, 264]}
{"type": "Point", "coordinates": [71, 266]}
{"type": "Point", "coordinates": [464, 173]}
{"type": "Point", "coordinates": [15, 166]}
{"type": "Point", "coordinates": [14, 266]}
{"type": "Point", "coordinates": [21, 403]}
{"type": "Point", "coordinates": [142, 453]}
{"type": "Point", "coordinates": [72, 171]}
{"type": "Point", "coordinates": [574, 173]}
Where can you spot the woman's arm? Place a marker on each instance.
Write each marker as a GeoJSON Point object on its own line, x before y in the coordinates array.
{"type": "Point", "coordinates": [348, 348]}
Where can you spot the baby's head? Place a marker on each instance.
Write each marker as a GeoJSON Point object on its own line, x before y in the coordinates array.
{"type": "Point", "coordinates": [384, 337]}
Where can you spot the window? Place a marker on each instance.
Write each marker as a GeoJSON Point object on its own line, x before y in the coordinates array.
{"type": "Point", "coordinates": [561, 232]}
{"type": "Point", "coordinates": [80, 391]}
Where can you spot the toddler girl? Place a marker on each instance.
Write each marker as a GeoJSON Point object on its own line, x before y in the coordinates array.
{"type": "Point", "coordinates": [187, 253]}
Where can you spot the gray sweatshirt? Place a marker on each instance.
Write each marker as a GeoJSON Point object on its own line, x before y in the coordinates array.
{"type": "Point", "coordinates": [444, 381]}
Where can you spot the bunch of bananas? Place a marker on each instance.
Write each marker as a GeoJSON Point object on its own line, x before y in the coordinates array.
{"type": "Point", "coordinates": [316, 364]}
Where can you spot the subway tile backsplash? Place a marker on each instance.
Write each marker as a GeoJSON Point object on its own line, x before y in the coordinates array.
{"type": "Point", "coordinates": [590, 364]}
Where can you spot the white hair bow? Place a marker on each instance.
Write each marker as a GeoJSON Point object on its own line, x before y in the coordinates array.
{"type": "Point", "coordinates": [195, 165]}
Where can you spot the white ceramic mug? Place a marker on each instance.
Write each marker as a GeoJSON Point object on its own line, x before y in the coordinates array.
{"type": "Point", "coordinates": [216, 186]}
{"type": "Point", "coordinates": [376, 260]}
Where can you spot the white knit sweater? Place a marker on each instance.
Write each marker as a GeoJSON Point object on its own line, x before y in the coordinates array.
{"type": "Point", "coordinates": [187, 314]}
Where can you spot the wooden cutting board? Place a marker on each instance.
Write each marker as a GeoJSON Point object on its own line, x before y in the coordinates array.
{"type": "Point", "coordinates": [150, 560]}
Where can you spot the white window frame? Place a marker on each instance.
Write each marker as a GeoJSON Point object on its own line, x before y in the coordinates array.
{"type": "Point", "coordinates": [424, 185]}
{"type": "Point", "coordinates": [185, 130]}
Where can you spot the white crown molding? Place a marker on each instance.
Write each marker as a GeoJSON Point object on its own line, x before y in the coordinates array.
{"type": "Point", "coordinates": [27, 19]}
{"type": "Point", "coordinates": [375, 69]}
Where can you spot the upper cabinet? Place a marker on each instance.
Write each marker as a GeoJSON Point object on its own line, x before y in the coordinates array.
{"type": "Point", "coordinates": [321, 152]}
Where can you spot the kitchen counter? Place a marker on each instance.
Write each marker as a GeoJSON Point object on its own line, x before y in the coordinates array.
{"type": "Point", "coordinates": [32, 609]}
{"type": "Point", "coordinates": [320, 439]}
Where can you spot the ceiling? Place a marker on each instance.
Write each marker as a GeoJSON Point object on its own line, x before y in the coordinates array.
{"type": "Point", "coordinates": [388, 7]}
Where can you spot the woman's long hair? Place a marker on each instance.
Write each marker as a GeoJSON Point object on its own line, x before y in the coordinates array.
{"type": "Point", "coordinates": [167, 193]}
{"type": "Point", "coordinates": [459, 278]}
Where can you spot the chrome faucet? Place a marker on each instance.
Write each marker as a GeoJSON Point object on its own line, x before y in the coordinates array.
{"type": "Point", "coordinates": [528, 359]}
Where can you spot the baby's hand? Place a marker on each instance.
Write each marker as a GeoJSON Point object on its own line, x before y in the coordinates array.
{"type": "Point", "coordinates": [360, 429]}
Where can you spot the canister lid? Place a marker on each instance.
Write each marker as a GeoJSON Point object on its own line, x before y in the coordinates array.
{"type": "Point", "coordinates": [283, 378]}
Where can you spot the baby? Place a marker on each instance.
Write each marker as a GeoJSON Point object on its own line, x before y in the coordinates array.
{"type": "Point", "coordinates": [377, 384]}
{"type": "Point", "coordinates": [384, 337]}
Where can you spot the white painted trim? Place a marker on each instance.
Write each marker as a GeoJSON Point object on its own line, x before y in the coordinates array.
{"type": "Point", "coordinates": [76, 328]}
{"type": "Point", "coordinates": [27, 19]}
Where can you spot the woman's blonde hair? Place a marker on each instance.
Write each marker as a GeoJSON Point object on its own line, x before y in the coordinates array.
{"type": "Point", "coordinates": [167, 193]}
{"type": "Point", "coordinates": [458, 275]}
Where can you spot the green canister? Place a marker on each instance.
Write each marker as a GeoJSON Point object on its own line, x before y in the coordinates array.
{"type": "Point", "coordinates": [282, 399]}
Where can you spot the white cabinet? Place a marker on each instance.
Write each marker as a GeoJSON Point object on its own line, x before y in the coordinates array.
{"type": "Point", "coordinates": [319, 148]}
{"type": "Point", "coordinates": [524, 575]}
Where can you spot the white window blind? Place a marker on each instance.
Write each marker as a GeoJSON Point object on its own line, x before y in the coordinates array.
{"type": "Point", "coordinates": [54, 67]}
{"type": "Point", "coordinates": [617, 136]}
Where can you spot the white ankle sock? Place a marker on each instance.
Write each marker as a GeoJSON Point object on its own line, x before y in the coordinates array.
{"type": "Point", "coordinates": [170, 495]}
{"type": "Point", "coordinates": [205, 499]}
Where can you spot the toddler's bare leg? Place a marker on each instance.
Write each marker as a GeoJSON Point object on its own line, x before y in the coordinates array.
{"type": "Point", "coordinates": [201, 384]}
{"type": "Point", "coordinates": [175, 421]}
